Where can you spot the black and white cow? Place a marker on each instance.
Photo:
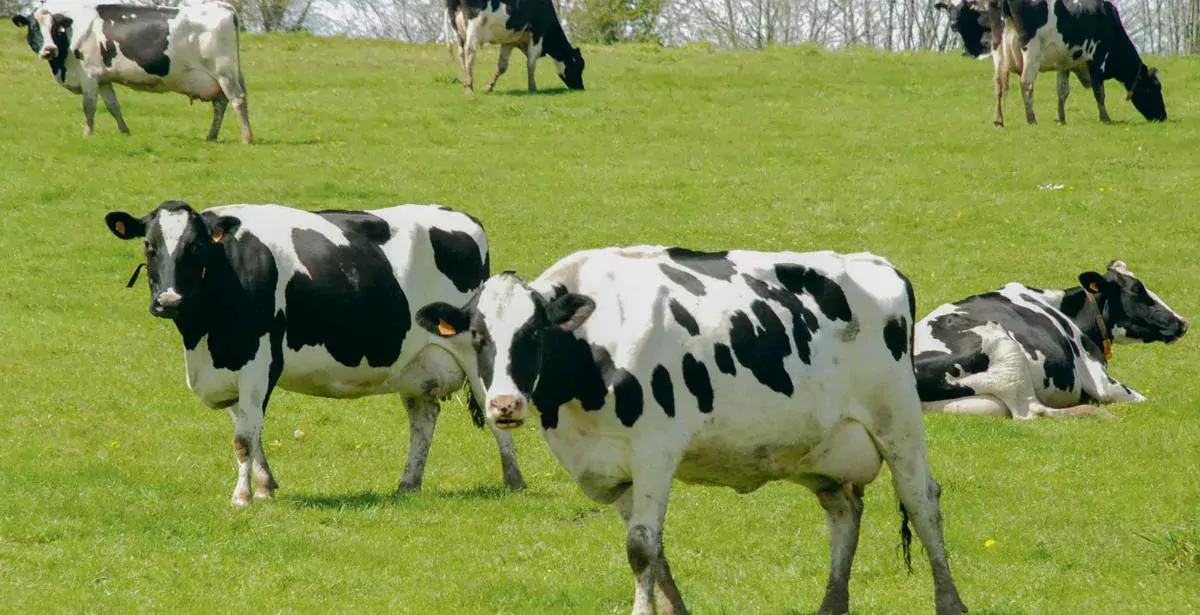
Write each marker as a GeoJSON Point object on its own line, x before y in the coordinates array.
{"type": "Point", "coordinates": [529, 25]}
{"type": "Point", "coordinates": [974, 21]}
{"type": "Point", "coordinates": [318, 303]}
{"type": "Point", "coordinates": [193, 50]}
{"type": "Point", "coordinates": [1085, 37]}
{"type": "Point", "coordinates": [648, 364]}
{"type": "Point", "coordinates": [1023, 352]}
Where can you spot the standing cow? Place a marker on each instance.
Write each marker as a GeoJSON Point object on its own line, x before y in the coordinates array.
{"type": "Point", "coordinates": [1024, 352]}
{"type": "Point", "coordinates": [193, 50]}
{"type": "Point", "coordinates": [318, 303]}
{"type": "Point", "coordinates": [648, 364]}
{"type": "Point", "coordinates": [530, 25]}
{"type": "Point", "coordinates": [1085, 37]}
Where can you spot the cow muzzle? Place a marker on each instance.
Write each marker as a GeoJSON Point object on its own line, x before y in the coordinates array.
{"type": "Point", "coordinates": [47, 52]}
{"type": "Point", "coordinates": [506, 411]}
{"type": "Point", "coordinates": [166, 304]}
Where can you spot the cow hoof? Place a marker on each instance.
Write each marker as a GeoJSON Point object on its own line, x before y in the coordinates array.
{"type": "Point", "coordinates": [488, 88]}
{"type": "Point", "coordinates": [516, 484]}
{"type": "Point", "coordinates": [408, 488]}
{"type": "Point", "coordinates": [241, 499]}
{"type": "Point", "coordinates": [264, 495]}
{"type": "Point", "coordinates": [998, 124]}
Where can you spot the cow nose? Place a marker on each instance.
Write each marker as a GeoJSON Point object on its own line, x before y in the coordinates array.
{"type": "Point", "coordinates": [506, 410]}
{"type": "Point", "coordinates": [1183, 326]}
{"type": "Point", "coordinates": [47, 52]}
{"type": "Point", "coordinates": [169, 298]}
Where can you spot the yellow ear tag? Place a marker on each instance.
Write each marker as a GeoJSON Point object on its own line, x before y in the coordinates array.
{"type": "Point", "coordinates": [446, 328]}
{"type": "Point", "coordinates": [202, 272]}
{"type": "Point", "coordinates": [1095, 287]}
{"type": "Point", "coordinates": [1107, 349]}
{"type": "Point", "coordinates": [120, 226]}
{"type": "Point", "coordinates": [218, 235]}
{"type": "Point", "coordinates": [1129, 95]}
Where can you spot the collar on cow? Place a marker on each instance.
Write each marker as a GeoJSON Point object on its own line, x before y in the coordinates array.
{"type": "Point", "coordinates": [1132, 86]}
{"type": "Point", "coordinates": [1105, 338]}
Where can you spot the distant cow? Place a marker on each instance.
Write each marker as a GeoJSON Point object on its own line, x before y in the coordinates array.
{"type": "Point", "coordinates": [976, 22]}
{"type": "Point", "coordinates": [1085, 37]}
{"type": "Point", "coordinates": [1024, 352]}
{"type": "Point", "coordinates": [193, 50]}
{"type": "Point", "coordinates": [317, 303]}
{"type": "Point", "coordinates": [530, 25]}
{"type": "Point", "coordinates": [648, 364]}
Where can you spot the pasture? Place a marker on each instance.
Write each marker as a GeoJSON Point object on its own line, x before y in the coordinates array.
{"type": "Point", "coordinates": [115, 480]}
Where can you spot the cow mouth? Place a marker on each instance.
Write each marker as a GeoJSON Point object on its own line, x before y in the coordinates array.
{"type": "Point", "coordinates": [507, 424]}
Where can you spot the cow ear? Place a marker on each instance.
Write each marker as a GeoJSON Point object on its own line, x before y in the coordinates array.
{"type": "Point", "coordinates": [568, 312]}
{"type": "Point", "coordinates": [941, 6]}
{"type": "Point", "coordinates": [219, 228]}
{"type": "Point", "coordinates": [1092, 281]}
{"type": "Point", "coordinates": [124, 225]}
{"type": "Point", "coordinates": [20, 21]}
{"type": "Point", "coordinates": [1153, 71]}
{"type": "Point", "coordinates": [443, 319]}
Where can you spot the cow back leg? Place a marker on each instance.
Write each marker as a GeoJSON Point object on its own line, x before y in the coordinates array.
{"type": "Point", "coordinates": [114, 107]}
{"type": "Point", "coordinates": [643, 507]}
{"type": "Point", "coordinates": [843, 512]}
{"type": "Point", "coordinates": [219, 103]}
{"type": "Point", "coordinates": [422, 420]}
{"type": "Point", "coordinates": [235, 92]}
{"type": "Point", "coordinates": [501, 66]}
{"type": "Point", "coordinates": [1064, 90]}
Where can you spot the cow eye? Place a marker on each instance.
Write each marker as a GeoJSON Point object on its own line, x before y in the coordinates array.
{"type": "Point", "coordinates": [1138, 289]}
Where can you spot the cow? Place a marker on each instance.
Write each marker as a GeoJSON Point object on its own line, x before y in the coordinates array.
{"type": "Point", "coordinates": [647, 364]}
{"type": "Point", "coordinates": [193, 50]}
{"type": "Point", "coordinates": [319, 303]}
{"type": "Point", "coordinates": [974, 21]}
{"type": "Point", "coordinates": [530, 25]}
{"type": "Point", "coordinates": [1023, 352]}
{"type": "Point", "coordinates": [1085, 37]}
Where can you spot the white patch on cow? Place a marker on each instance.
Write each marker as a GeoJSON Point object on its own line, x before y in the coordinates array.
{"type": "Point", "coordinates": [491, 26]}
{"type": "Point", "coordinates": [173, 225]}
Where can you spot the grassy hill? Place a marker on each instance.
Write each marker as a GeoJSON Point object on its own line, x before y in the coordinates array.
{"type": "Point", "coordinates": [115, 480]}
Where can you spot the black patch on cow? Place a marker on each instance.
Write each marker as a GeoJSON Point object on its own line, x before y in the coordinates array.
{"type": "Point", "coordinates": [830, 297]}
{"type": "Point", "coordinates": [966, 350]}
{"type": "Point", "coordinates": [712, 264]}
{"type": "Point", "coordinates": [689, 282]}
{"type": "Point", "coordinates": [456, 255]}
{"type": "Point", "coordinates": [141, 32]}
{"type": "Point", "coordinates": [370, 226]}
{"type": "Point", "coordinates": [895, 335]}
{"type": "Point", "coordinates": [236, 304]}
{"type": "Point", "coordinates": [695, 377]}
{"type": "Point", "coordinates": [1078, 54]}
{"type": "Point", "coordinates": [525, 357]}
{"type": "Point", "coordinates": [684, 318]}
{"type": "Point", "coordinates": [628, 393]}
{"type": "Point", "coordinates": [724, 359]}
{"type": "Point", "coordinates": [1027, 16]}
{"type": "Point", "coordinates": [664, 393]}
{"type": "Point", "coordinates": [762, 349]}
{"type": "Point", "coordinates": [571, 369]}
{"type": "Point", "coordinates": [1063, 322]}
{"type": "Point", "coordinates": [804, 322]}
{"type": "Point", "coordinates": [350, 302]}
{"type": "Point", "coordinates": [278, 328]}
{"type": "Point", "coordinates": [60, 35]}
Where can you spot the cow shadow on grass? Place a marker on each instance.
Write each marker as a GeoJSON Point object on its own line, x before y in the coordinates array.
{"type": "Point", "coordinates": [524, 92]}
{"type": "Point", "coordinates": [379, 499]}
{"type": "Point", "coordinates": [855, 612]}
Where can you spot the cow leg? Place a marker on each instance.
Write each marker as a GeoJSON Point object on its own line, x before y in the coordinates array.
{"type": "Point", "coordinates": [508, 459]}
{"type": "Point", "coordinates": [1064, 89]}
{"type": "Point", "coordinates": [843, 512]}
{"type": "Point", "coordinates": [251, 460]}
{"type": "Point", "coordinates": [469, 51]}
{"type": "Point", "coordinates": [219, 103]}
{"type": "Point", "coordinates": [1078, 411]}
{"type": "Point", "coordinates": [235, 91]}
{"type": "Point", "coordinates": [644, 508]}
{"type": "Point", "coordinates": [1000, 88]}
{"type": "Point", "coordinates": [114, 107]}
{"type": "Point", "coordinates": [531, 58]}
{"type": "Point", "coordinates": [1028, 76]}
{"type": "Point", "coordinates": [89, 111]}
{"type": "Point", "coordinates": [501, 67]}
{"type": "Point", "coordinates": [422, 420]}
{"type": "Point", "coordinates": [1098, 92]}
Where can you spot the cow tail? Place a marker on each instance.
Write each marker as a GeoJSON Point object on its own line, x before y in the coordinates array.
{"type": "Point", "coordinates": [906, 538]}
{"type": "Point", "coordinates": [475, 409]}
{"type": "Point", "coordinates": [237, 33]}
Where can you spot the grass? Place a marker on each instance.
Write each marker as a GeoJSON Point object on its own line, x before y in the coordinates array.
{"type": "Point", "coordinates": [115, 480]}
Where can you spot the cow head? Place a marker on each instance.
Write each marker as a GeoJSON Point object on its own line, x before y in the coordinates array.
{"type": "Point", "coordinates": [971, 23]}
{"type": "Point", "coordinates": [509, 324]}
{"type": "Point", "coordinates": [42, 23]}
{"type": "Point", "coordinates": [179, 246]}
{"type": "Point", "coordinates": [1134, 314]}
{"type": "Point", "coordinates": [570, 69]}
{"type": "Point", "coordinates": [1146, 94]}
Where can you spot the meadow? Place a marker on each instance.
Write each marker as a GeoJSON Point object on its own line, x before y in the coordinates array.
{"type": "Point", "coordinates": [115, 480]}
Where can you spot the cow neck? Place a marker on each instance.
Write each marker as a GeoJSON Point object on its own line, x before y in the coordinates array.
{"type": "Point", "coordinates": [217, 306]}
{"type": "Point", "coordinates": [1123, 62]}
{"type": "Point", "coordinates": [555, 43]}
{"type": "Point", "coordinates": [1086, 310]}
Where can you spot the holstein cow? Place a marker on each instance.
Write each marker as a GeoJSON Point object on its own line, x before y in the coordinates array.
{"type": "Point", "coordinates": [1025, 352]}
{"type": "Point", "coordinates": [974, 21]}
{"type": "Point", "coordinates": [648, 364]}
{"type": "Point", "coordinates": [1084, 37]}
{"type": "Point", "coordinates": [318, 303]}
{"type": "Point", "coordinates": [530, 25]}
{"type": "Point", "coordinates": [193, 50]}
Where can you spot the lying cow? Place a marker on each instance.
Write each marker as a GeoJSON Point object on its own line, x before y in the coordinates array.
{"type": "Point", "coordinates": [530, 25]}
{"type": "Point", "coordinates": [1085, 37]}
{"type": "Point", "coordinates": [317, 303]}
{"type": "Point", "coordinates": [648, 364]}
{"type": "Point", "coordinates": [193, 50]}
{"type": "Point", "coordinates": [1024, 352]}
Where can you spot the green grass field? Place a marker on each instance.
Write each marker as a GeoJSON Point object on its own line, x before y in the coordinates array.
{"type": "Point", "coordinates": [115, 480]}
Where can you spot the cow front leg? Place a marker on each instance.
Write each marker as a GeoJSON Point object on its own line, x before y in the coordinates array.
{"type": "Point", "coordinates": [422, 421]}
{"type": "Point", "coordinates": [501, 67]}
{"type": "Point", "coordinates": [233, 86]}
{"type": "Point", "coordinates": [89, 111]}
{"type": "Point", "coordinates": [114, 107]}
{"type": "Point", "coordinates": [1064, 90]}
{"type": "Point", "coordinates": [509, 468]}
{"type": "Point", "coordinates": [219, 103]}
{"type": "Point", "coordinates": [469, 52]}
{"type": "Point", "coordinates": [247, 449]}
{"type": "Point", "coordinates": [1098, 92]}
{"type": "Point", "coordinates": [643, 507]}
{"type": "Point", "coordinates": [531, 58]}
{"type": "Point", "coordinates": [843, 512]}
{"type": "Point", "coordinates": [1028, 76]}
{"type": "Point", "coordinates": [1000, 88]}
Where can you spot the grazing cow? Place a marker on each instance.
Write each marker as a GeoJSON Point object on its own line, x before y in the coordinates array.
{"type": "Point", "coordinates": [975, 24]}
{"type": "Point", "coordinates": [531, 25]}
{"type": "Point", "coordinates": [648, 364]}
{"type": "Point", "coordinates": [318, 303]}
{"type": "Point", "coordinates": [193, 50]}
{"type": "Point", "coordinates": [1084, 37]}
{"type": "Point", "coordinates": [1024, 352]}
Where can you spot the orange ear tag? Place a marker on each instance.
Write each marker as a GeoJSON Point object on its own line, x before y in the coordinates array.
{"type": "Point", "coordinates": [202, 272]}
{"type": "Point", "coordinates": [1095, 287]}
{"type": "Point", "coordinates": [1107, 349]}
{"type": "Point", "coordinates": [120, 226]}
{"type": "Point", "coordinates": [445, 328]}
{"type": "Point", "coordinates": [218, 235]}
